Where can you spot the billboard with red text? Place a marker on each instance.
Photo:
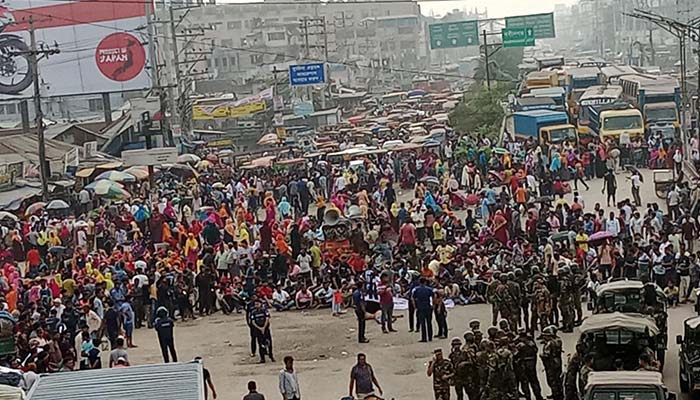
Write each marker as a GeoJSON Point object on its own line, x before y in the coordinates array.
{"type": "Point", "coordinates": [102, 46]}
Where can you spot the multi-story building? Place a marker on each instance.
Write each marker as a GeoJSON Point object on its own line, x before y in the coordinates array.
{"type": "Point", "coordinates": [249, 39]}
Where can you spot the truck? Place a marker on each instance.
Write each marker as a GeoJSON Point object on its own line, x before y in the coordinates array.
{"type": "Point", "coordinates": [659, 100]}
{"type": "Point", "coordinates": [623, 385]}
{"type": "Point", "coordinates": [544, 125]}
{"type": "Point", "coordinates": [618, 121]}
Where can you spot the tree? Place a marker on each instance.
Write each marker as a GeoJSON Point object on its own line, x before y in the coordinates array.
{"type": "Point", "coordinates": [481, 111]}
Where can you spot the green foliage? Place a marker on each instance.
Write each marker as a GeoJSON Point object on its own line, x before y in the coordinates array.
{"type": "Point", "coordinates": [481, 112]}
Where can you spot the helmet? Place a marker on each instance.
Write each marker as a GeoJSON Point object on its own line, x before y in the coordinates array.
{"type": "Point", "coordinates": [535, 270]}
{"type": "Point", "coordinates": [511, 275]}
{"type": "Point", "coordinates": [496, 274]}
{"type": "Point", "coordinates": [503, 324]}
{"type": "Point", "coordinates": [518, 272]}
{"type": "Point", "coordinates": [456, 341]}
{"type": "Point", "coordinates": [469, 337]}
{"type": "Point", "coordinates": [474, 324]}
{"type": "Point", "coordinates": [492, 331]}
{"type": "Point", "coordinates": [564, 270]}
{"type": "Point", "coordinates": [549, 331]}
{"type": "Point", "coordinates": [503, 277]}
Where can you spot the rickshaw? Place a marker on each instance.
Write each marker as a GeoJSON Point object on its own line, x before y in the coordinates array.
{"type": "Point", "coordinates": [664, 179]}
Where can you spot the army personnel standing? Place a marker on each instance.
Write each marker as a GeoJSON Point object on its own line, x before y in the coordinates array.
{"type": "Point", "coordinates": [524, 297]}
{"type": "Point", "coordinates": [525, 365]}
{"type": "Point", "coordinates": [459, 364]}
{"type": "Point", "coordinates": [442, 372]}
{"type": "Point", "coordinates": [504, 298]}
{"type": "Point", "coordinates": [475, 326]}
{"type": "Point", "coordinates": [579, 279]}
{"type": "Point", "coordinates": [573, 369]}
{"type": "Point", "coordinates": [541, 306]}
{"type": "Point", "coordinates": [508, 384]}
{"type": "Point", "coordinates": [585, 371]}
{"type": "Point", "coordinates": [551, 358]}
{"type": "Point", "coordinates": [491, 296]}
{"type": "Point", "coordinates": [566, 300]}
{"type": "Point", "coordinates": [516, 296]}
{"type": "Point", "coordinates": [470, 350]}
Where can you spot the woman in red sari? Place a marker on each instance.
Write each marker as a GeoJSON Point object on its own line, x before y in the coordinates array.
{"type": "Point", "coordinates": [499, 226]}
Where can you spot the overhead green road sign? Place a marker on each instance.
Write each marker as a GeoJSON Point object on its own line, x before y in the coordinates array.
{"type": "Point", "coordinates": [518, 37]}
{"type": "Point", "coordinates": [454, 34]}
{"type": "Point", "coordinates": [542, 24]}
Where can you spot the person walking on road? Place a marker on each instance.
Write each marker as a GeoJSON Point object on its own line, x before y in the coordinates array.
{"type": "Point", "coordinates": [610, 186]}
{"type": "Point", "coordinates": [358, 299]}
{"type": "Point", "coordinates": [253, 392]}
{"type": "Point", "coordinates": [289, 381]}
{"type": "Point", "coordinates": [164, 327]}
{"type": "Point", "coordinates": [362, 379]}
{"type": "Point", "coordinates": [636, 182]}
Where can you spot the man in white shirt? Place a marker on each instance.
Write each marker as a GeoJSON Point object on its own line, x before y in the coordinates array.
{"type": "Point", "coordinates": [612, 225]}
{"type": "Point", "coordinates": [281, 300]}
{"type": "Point", "coordinates": [636, 181]}
{"type": "Point", "coordinates": [304, 261]}
{"type": "Point", "coordinates": [674, 199]}
{"type": "Point", "coordinates": [289, 382]}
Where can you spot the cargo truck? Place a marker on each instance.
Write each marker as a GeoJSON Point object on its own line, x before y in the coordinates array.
{"type": "Point", "coordinates": [617, 121]}
{"type": "Point", "coordinates": [544, 125]}
{"type": "Point", "coordinates": [659, 100]}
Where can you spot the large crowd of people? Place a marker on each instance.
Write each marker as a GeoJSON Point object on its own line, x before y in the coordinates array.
{"type": "Point", "coordinates": [338, 234]}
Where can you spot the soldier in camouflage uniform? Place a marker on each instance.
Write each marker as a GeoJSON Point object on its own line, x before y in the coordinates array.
{"type": "Point", "coordinates": [525, 365]}
{"type": "Point", "coordinates": [490, 296]}
{"type": "Point", "coordinates": [516, 294]}
{"type": "Point", "coordinates": [482, 362]}
{"type": "Point", "coordinates": [472, 366]}
{"type": "Point", "coordinates": [442, 372]}
{"type": "Point", "coordinates": [541, 306]}
{"type": "Point", "coordinates": [504, 298]}
{"type": "Point", "coordinates": [507, 383]}
{"type": "Point", "coordinates": [566, 300]}
{"type": "Point", "coordinates": [524, 297]}
{"type": "Point", "coordinates": [458, 357]}
{"type": "Point", "coordinates": [579, 279]}
{"type": "Point", "coordinates": [571, 377]}
{"type": "Point", "coordinates": [490, 384]}
{"type": "Point", "coordinates": [551, 358]}
{"type": "Point", "coordinates": [475, 326]}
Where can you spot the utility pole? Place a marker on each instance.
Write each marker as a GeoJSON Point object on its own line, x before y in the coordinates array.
{"type": "Point", "coordinates": [486, 61]}
{"type": "Point", "coordinates": [34, 58]}
{"type": "Point", "coordinates": [176, 58]}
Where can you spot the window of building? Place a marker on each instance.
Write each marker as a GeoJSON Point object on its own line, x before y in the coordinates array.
{"type": "Point", "coordinates": [407, 44]}
{"type": "Point", "coordinates": [244, 42]}
{"type": "Point", "coordinates": [233, 25]}
{"type": "Point", "coordinates": [95, 105]}
{"type": "Point", "coordinates": [11, 108]}
{"type": "Point", "coordinates": [406, 30]}
{"type": "Point", "coordinates": [271, 20]}
{"type": "Point", "coordinates": [224, 62]}
{"type": "Point", "coordinates": [227, 43]}
{"type": "Point", "coordinates": [290, 19]}
{"type": "Point", "coordinates": [232, 61]}
{"type": "Point", "coordinates": [276, 36]}
{"type": "Point", "coordinates": [216, 63]}
{"type": "Point", "coordinates": [256, 59]}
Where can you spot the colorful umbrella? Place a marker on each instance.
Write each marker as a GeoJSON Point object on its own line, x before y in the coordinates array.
{"type": "Point", "coordinates": [188, 159]}
{"type": "Point", "coordinates": [601, 235]}
{"type": "Point", "coordinates": [500, 150]}
{"type": "Point", "coordinates": [7, 215]}
{"type": "Point", "coordinates": [140, 173]}
{"type": "Point", "coordinates": [116, 176]}
{"type": "Point", "coordinates": [268, 139]}
{"type": "Point", "coordinates": [35, 208]}
{"type": "Point", "coordinates": [203, 164]}
{"type": "Point", "coordinates": [57, 205]}
{"type": "Point", "coordinates": [108, 189]}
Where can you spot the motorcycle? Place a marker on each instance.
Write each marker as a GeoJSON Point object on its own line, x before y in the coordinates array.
{"type": "Point", "coordinates": [16, 70]}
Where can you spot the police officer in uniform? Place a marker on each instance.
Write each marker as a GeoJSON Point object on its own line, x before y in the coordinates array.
{"type": "Point", "coordinates": [260, 323]}
{"type": "Point", "coordinates": [541, 306]}
{"type": "Point", "coordinates": [551, 358]}
{"type": "Point", "coordinates": [442, 372]}
{"type": "Point", "coordinates": [525, 364]}
{"type": "Point", "coordinates": [164, 327]}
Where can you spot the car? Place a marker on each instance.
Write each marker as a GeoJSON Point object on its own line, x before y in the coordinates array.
{"type": "Point", "coordinates": [623, 385]}
{"type": "Point", "coordinates": [689, 355]}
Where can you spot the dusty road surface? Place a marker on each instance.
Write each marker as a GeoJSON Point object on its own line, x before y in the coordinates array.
{"type": "Point", "coordinates": [325, 346]}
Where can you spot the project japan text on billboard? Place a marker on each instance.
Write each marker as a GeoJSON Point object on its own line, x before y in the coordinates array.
{"type": "Point", "coordinates": [102, 46]}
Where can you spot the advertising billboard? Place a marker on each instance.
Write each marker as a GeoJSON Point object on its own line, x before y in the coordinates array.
{"type": "Point", "coordinates": [102, 44]}
{"type": "Point", "coordinates": [215, 109]}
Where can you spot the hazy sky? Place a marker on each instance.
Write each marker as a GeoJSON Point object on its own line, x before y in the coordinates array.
{"type": "Point", "coordinates": [496, 8]}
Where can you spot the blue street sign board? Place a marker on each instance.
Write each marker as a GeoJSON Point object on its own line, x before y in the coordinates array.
{"type": "Point", "coordinates": [307, 74]}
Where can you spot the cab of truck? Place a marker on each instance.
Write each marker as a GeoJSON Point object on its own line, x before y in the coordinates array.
{"type": "Point", "coordinates": [557, 134]}
{"type": "Point", "coordinates": [626, 385]}
{"type": "Point", "coordinates": [616, 120]}
{"type": "Point", "coordinates": [662, 117]}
